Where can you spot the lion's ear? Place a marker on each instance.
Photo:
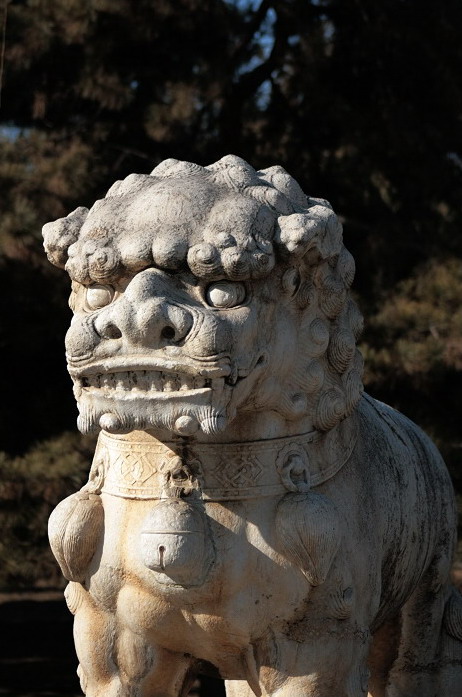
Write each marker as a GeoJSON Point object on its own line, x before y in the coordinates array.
{"type": "Point", "coordinates": [60, 234]}
{"type": "Point", "coordinates": [317, 228]}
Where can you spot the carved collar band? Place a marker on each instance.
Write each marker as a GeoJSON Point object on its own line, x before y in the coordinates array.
{"type": "Point", "coordinates": [137, 466]}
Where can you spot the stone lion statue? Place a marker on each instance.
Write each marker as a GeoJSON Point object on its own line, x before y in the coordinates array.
{"type": "Point", "coordinates": [249, 513]}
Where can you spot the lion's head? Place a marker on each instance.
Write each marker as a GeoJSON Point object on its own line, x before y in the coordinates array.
{"type": "Point", "coordinates": [206, 297]}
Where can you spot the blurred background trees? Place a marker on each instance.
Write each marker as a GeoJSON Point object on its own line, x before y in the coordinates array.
{"type": "Point", "coordinates": [360, 101]}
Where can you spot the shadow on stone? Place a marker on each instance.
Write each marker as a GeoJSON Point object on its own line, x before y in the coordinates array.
{"type": "Point", "coordinates": [37, 656]}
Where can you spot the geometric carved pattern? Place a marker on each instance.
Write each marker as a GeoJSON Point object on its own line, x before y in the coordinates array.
{"type": "Point", "coordinates": [134, 468]}
{"type": "Point", "coordinates": [241, 471]}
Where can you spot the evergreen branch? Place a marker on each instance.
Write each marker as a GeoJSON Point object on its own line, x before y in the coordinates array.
{"type": "Point", "coordinates": [252, 27]}
{"type": "Point", "coordinates": [250, 81]}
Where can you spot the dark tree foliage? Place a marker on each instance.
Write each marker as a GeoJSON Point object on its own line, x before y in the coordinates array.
{"type": "Point", "coordinates": [361, 101]}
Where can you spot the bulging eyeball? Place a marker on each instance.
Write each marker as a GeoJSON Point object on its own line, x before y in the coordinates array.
{"type": "Point", "coordinates": [225, 294]}
{"type": "Point", "coordinates": [98, 296]}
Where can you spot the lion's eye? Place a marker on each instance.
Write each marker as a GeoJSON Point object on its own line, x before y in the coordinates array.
{"type": "Point", "coordinates": [99, 296]}
{"type": "Point", "coordinates": [225, 294]}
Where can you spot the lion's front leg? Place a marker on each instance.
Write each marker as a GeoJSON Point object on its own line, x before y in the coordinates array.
{"type": "Point", "coordinates": [114, 661]}
{"type": "Point", "coordinates": [325, 668]}
{"type": "Point", "coordinates": [331, 662]}
{"type": "Point", "coordinates": [94, 635]}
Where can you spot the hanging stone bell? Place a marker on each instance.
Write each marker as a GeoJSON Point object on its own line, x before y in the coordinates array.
{"type": "Point", "coordinates": [176, 542]}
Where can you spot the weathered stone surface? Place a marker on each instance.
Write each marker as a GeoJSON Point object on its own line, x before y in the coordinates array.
{"type": "Point", "coordinates": [248, 510]}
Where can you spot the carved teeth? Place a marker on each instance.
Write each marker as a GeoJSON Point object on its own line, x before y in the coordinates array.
{"type": "Point", "coordinates": [156, 381]}
{"type": "Point", "coordinates": [170, 383]}
{"type": "Point", "coordinates": [187, 382]}
{"type": "Point", "coordinates": [148, 381]}
{"type": "Point", "coordinates": [144, 383]}
{"type": "Point", "coordinates": [122, 381]}
{"type": "Point", "coordinates": [106, 380]}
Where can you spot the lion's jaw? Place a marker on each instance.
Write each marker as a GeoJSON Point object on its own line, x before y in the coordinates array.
{"type": "Point", "coordinates": [143, 398]}
{"type": "Point", "coordinates": [121, 400]}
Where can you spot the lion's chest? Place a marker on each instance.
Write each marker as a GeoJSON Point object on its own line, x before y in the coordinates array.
{"type": "Point", "coordinates": [194, 573]}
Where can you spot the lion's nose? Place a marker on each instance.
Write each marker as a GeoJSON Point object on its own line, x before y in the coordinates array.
{"type": "Point", "coordinates": [148, 314]}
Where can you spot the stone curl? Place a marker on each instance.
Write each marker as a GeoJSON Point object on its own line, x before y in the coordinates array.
{"type": "Point", "coordinates": [59, 235]}
{"type": "Point", "coordinates": [91, 252]}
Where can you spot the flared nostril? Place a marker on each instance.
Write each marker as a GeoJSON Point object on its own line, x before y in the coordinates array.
{"type": "Point", "coordinates": [112, 332]}
{"type": "Point", "coordinates": [176, 324]}
{"type": "Point", "coordinates": [106, 328]}
{"type": "Point", "coordinates": [168, 333]}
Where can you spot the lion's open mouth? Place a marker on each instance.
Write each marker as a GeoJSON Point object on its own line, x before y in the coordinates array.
{"type": "Point", "coordinates": [145, 381]}
{"type": "Point", "coordinates": [123, 393]}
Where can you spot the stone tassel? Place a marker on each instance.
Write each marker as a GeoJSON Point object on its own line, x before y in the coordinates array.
{"type": "Point", "coordinates": [308, 528]}
{"type": "Point", "coordinates": [74, 528]}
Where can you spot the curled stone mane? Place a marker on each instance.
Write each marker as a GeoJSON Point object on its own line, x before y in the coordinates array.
{"type": "Point", "coordinates": [329, 367]}
{"type": "Point", "coordinates": [282, 226]}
